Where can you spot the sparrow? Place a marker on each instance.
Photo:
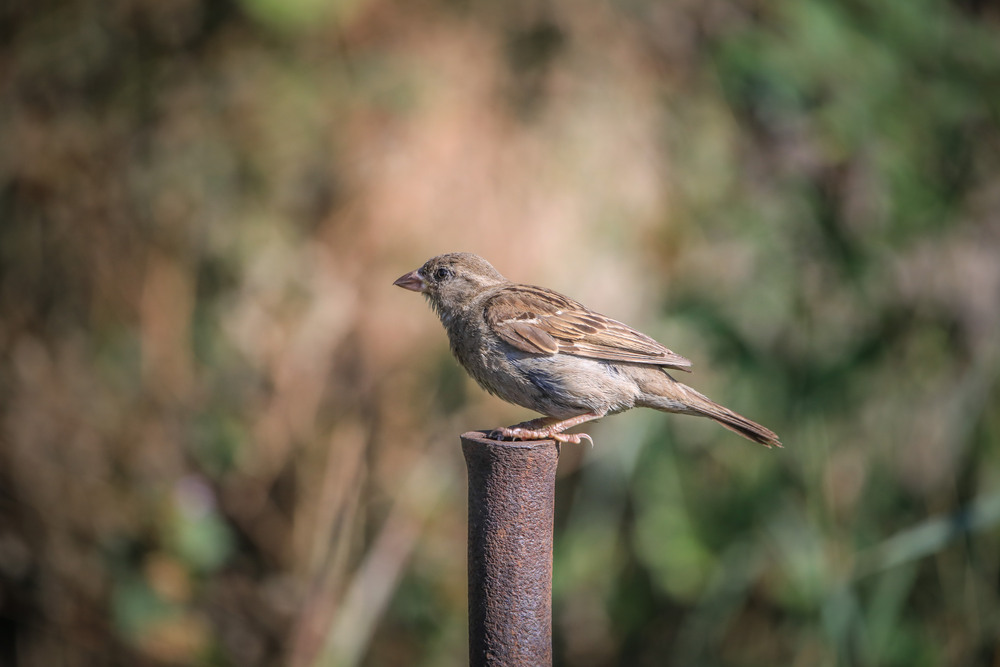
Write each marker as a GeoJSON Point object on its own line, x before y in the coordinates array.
{"type": "Point", "coordinates": [541, 350]}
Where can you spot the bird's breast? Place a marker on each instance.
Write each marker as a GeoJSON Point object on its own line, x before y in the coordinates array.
{"type": "Point", "coordinates": [556, 385]}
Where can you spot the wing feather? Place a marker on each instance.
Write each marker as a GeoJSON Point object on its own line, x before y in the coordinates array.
{"type": "Point", "coordinates": [540, 321]}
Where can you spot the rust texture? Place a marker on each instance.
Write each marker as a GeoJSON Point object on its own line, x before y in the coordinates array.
{"type": "Point", "coordinates": [511, 509]}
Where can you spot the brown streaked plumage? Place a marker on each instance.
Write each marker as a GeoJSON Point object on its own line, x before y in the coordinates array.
{"type": "Point", "coordinates": [540, 321]}
{"type": "Point", "coordinates": [541, 350]}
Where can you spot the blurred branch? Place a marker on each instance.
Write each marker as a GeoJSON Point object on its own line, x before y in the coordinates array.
{"type": "Point", "coordinates": [928, 537]}
{"type": "Point", "coordinates": [350, 627]}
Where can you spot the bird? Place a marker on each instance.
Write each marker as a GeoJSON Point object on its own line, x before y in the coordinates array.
{"type": "Point", "coordinates": [538, 349]}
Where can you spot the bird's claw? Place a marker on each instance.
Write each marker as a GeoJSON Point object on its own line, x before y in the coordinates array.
{"type": "Point", "coordinates": [574, 438]}
{"type": "Point", "coordinates": [517, 433]}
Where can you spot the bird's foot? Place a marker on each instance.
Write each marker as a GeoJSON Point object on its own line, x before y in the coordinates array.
{"type": "Point", "coordinates": [548, 433]}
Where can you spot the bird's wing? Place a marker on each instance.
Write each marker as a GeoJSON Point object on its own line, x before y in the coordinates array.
{"type": "Point", "coordinates": [540, 321]}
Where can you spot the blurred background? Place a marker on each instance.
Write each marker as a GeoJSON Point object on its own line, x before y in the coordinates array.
{"type": "Point", "coordinates": [226, 439]}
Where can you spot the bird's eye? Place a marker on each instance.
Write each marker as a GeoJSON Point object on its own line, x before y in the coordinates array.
{"type": "Point", "coordinates": [443, 273]}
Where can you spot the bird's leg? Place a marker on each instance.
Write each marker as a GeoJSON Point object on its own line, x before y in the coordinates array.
{"type": "Point", "coordinates": [546, 428]}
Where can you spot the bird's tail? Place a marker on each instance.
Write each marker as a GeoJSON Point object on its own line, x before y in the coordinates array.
{"type": "Point", "coordinates": [673, 396]}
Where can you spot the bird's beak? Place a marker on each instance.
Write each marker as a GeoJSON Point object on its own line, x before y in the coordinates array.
{"type": "Point", "coordinates": [412, 281]}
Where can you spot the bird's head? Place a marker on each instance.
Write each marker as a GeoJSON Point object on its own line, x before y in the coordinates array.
{"type": "Point", "coordinates": [451, 281]}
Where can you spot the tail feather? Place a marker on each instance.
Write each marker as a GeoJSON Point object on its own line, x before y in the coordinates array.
{"type": "Point", "coordinates": [680, 398]}
{"type": "Point", "coordinates": [740, 424]}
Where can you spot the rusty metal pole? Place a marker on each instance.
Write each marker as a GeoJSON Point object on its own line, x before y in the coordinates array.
{"type": "Point", "coordinates": [511, 510]}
